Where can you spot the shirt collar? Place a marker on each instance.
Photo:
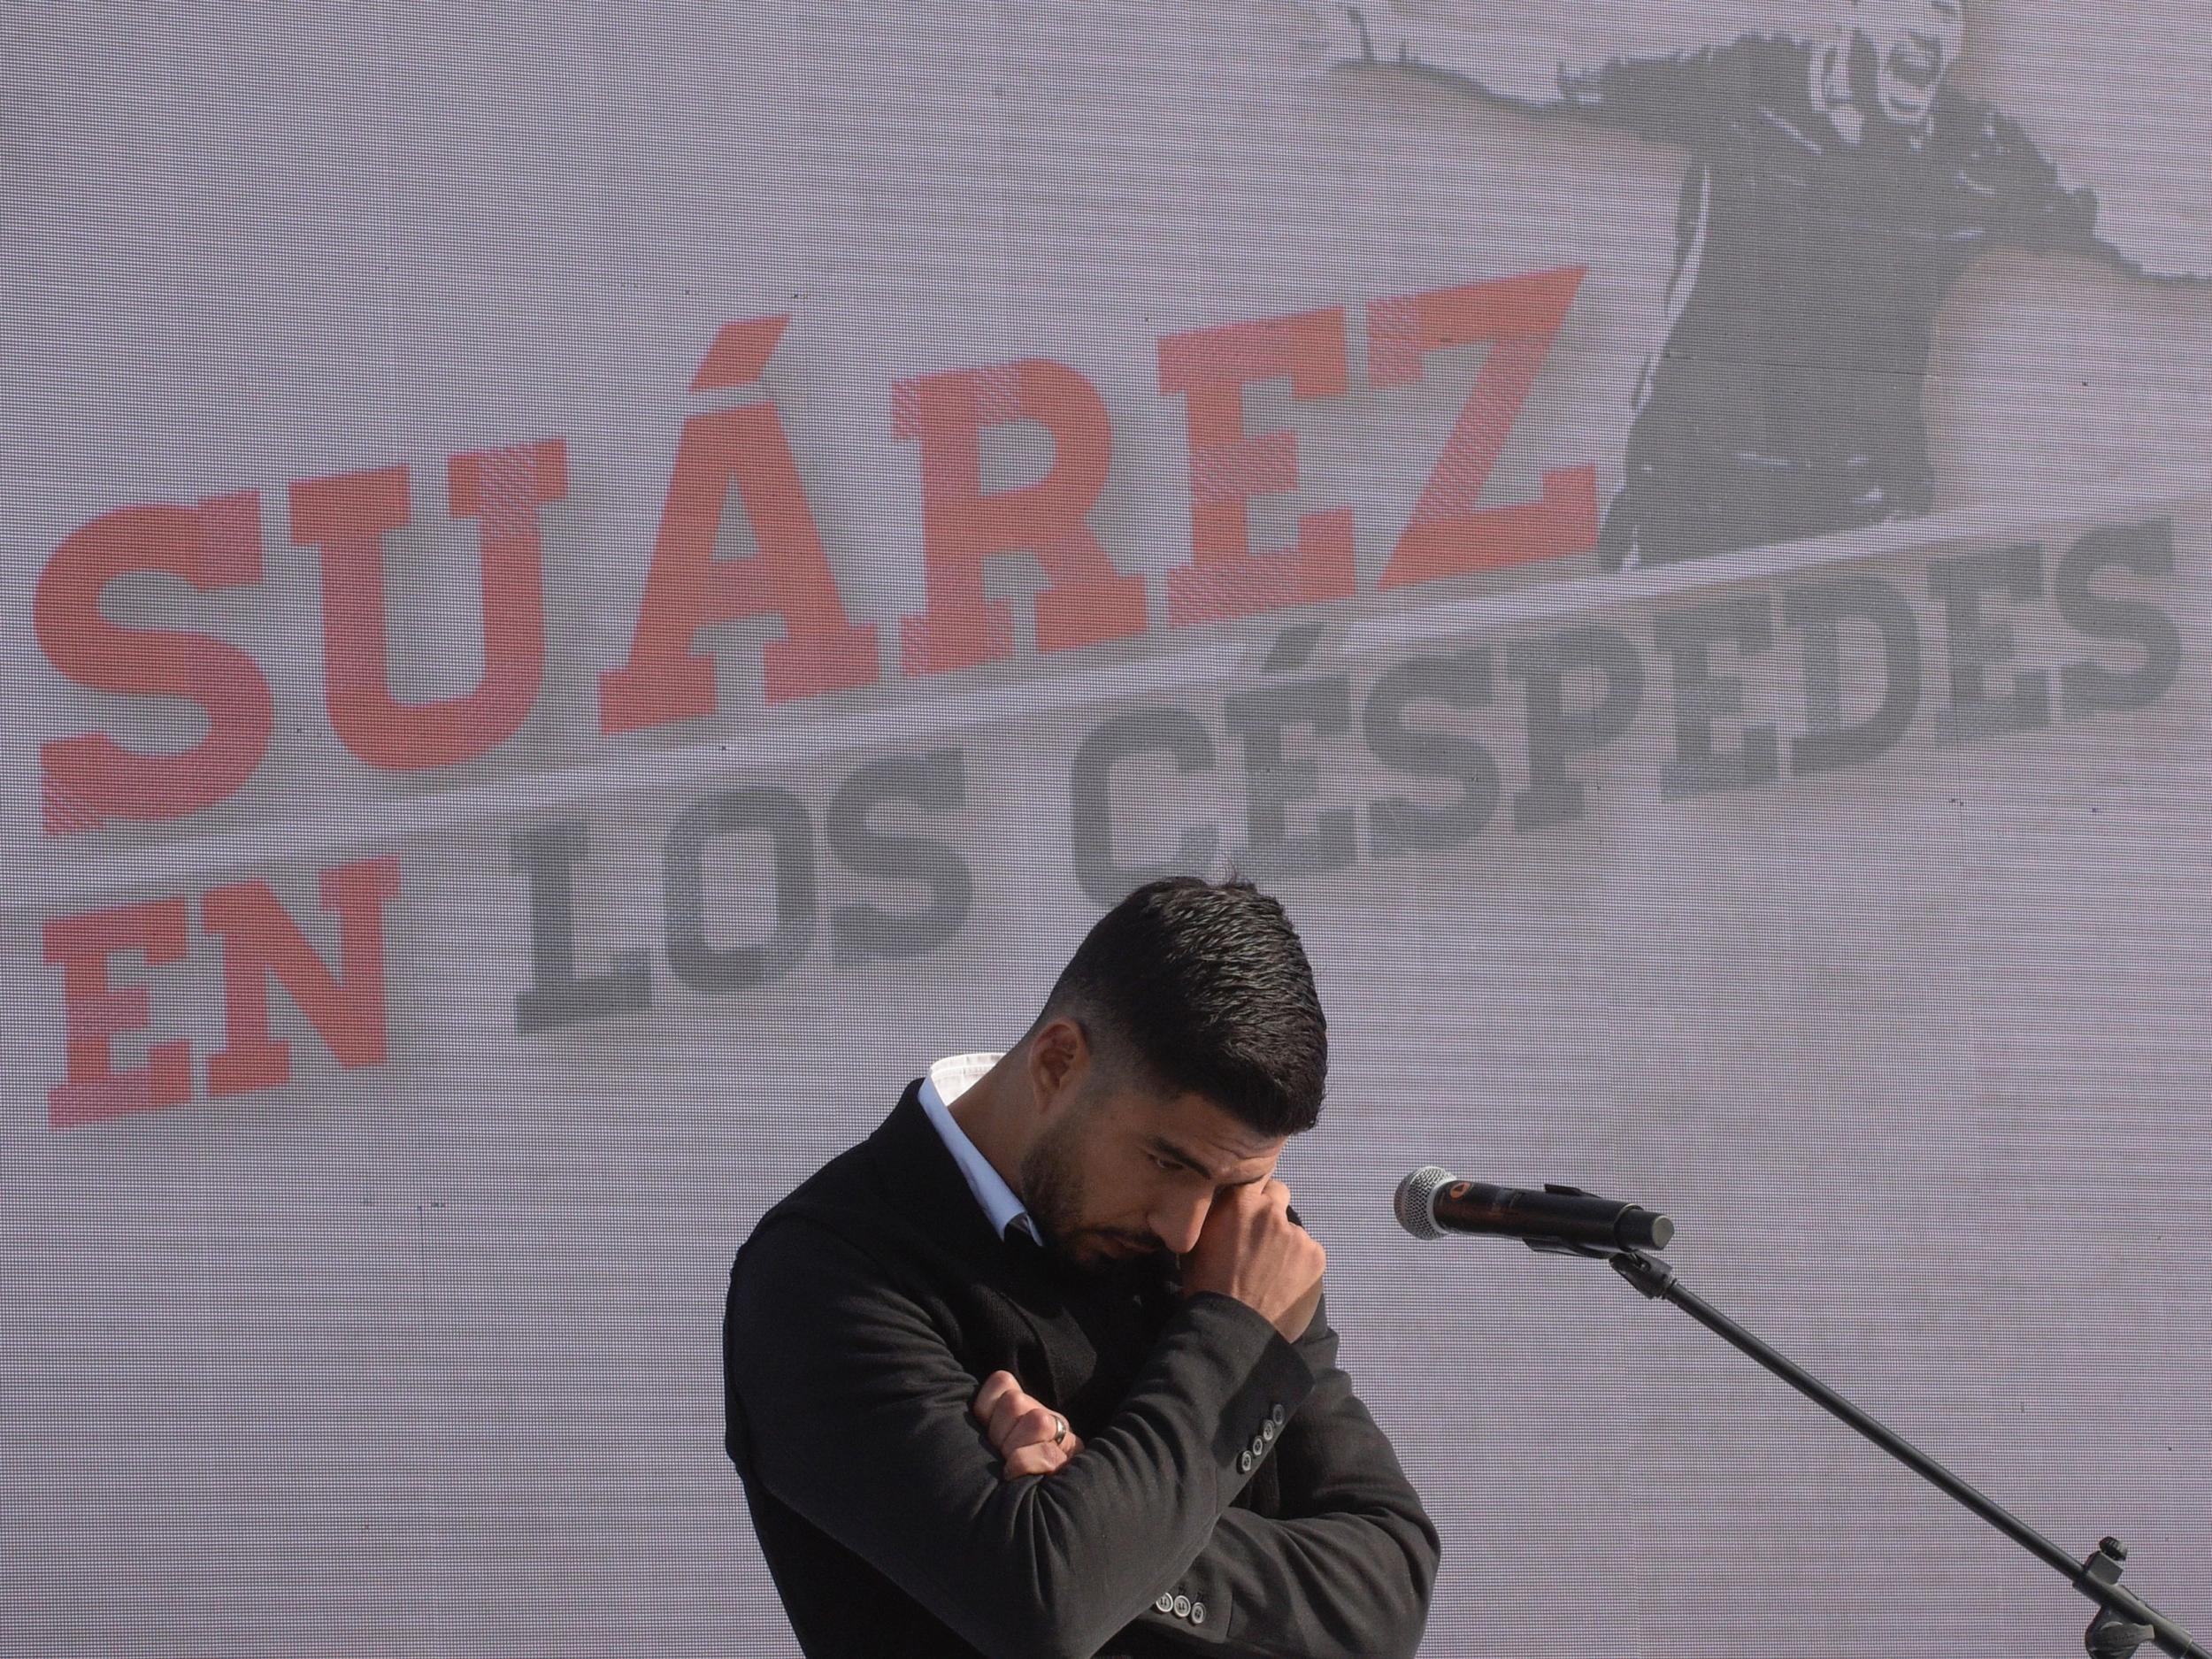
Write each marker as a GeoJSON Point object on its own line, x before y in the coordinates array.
{"type": "Point", "coordinates": [948, 1080]}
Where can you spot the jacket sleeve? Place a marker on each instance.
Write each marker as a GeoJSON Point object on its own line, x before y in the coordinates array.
{"type": "Point", "coordinates": [1346, 1571]}
{"type": "Point", "coordinates": [854, 1411]}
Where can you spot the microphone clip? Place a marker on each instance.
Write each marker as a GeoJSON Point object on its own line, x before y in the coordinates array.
{"type": "Point", "coordinates": [1561, 1247]}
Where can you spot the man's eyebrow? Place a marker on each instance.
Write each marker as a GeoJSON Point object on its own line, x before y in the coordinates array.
{"type": "Point", "coordinates": [1191, 1161]}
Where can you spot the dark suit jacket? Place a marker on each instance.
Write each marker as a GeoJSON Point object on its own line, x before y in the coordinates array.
{"type": "Point", "coordinates": [1232, 1492]}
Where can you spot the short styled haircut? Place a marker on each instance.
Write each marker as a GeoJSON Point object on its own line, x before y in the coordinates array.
{"type": "Point", "coordinates": [1203, 988]}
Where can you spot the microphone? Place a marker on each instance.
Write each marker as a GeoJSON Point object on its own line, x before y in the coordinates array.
{"type": "Point", "coordinates": [1432, 1201]}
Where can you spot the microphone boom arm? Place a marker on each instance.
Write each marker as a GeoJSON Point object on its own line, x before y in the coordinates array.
{"type": "Point", "coordinates": [2124, 1620]}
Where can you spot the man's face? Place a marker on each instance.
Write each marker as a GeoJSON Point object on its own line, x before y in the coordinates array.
{"type": "Point", "coordinates": [1912, 45]}
{"type": "Point", "coordinates": [1118, 1174]}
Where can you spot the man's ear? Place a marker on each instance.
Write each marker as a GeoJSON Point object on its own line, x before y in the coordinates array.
{"type": "Point", "coordinates": [1060, 1058]}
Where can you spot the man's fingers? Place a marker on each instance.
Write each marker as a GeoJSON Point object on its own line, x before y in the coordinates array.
{"type": "Point", "coordinates": [1253, 1200]}
{"type": "Point", "coordinates": [1032, 1424]}
{"type": "Point", "coordinates": [994, 1393]}
{"type": "Point", "coordinates": [1011, 1407]}
{"type": "Point", "coordinates": [1020, 1419]}
{"type": "Point", "coordinates": [1019, 1427]}
{"type": "Point", "coordinates": [1035, 1460]}
{"type": "Point", "coordinates": [1043, 1458]}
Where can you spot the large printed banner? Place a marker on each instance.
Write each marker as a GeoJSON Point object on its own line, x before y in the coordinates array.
{"type": "Point", "coordinates": [1844, 906]}
{"type": "Point", "coordinates": [556, 669]}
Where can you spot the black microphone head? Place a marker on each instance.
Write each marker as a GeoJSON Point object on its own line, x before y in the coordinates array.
{"type": "Point", "coordinates": [1416, 1202]}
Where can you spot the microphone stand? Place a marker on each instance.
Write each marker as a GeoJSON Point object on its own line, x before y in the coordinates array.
{"type": "Point", "coordinates": [2124, 1620]}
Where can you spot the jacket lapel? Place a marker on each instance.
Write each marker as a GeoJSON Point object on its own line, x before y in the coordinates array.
{"type": "Point", "coordinates": [1028, 1326]}
{"type": "Point", "coordinates": [1072, 1342]}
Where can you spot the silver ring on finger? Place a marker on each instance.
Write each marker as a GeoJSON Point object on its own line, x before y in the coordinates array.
{"type": "Point", "coordinates": [1059, 1429]}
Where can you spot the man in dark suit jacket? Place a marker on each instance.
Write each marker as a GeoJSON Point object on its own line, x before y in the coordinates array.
{"type": "Point", "coordinates": [1040, 1368]}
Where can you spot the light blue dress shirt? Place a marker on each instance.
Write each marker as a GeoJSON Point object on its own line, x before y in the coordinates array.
{"type": "Point", "coordinates": [948, 1080]}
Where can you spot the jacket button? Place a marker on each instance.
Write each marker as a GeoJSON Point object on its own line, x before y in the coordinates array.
{"type": "Point", "coordinates": [1268, 1432]}
{"type": "Point", "coordinates": [1198, 1612]}
{"type": "Point", "coordinates": [1244, 1463]}
{"type": "Point", "coordinates": [1182, 1607]}
{"type": "Point", "coordinates": [1259, 1446]}
{"type": "Point", "coordinates": [1164, 1600]}
{"type": "Point", "coordinates": [1278, 1416]}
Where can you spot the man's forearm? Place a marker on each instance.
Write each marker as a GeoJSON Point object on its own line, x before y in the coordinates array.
{"type": "Point", "coordinates": [1330, 1586]}
{"type": "Point", "coordinates": [1347, 1570]}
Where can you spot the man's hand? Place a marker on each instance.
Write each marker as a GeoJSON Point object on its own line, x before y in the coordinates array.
{"type": "Point", "coordinates": [1251, 1249]}
{"type": "Point", "coordinates": [1029, 1436]}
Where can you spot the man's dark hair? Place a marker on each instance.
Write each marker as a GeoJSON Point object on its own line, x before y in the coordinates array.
{"type": "Point", "coordinates": [1204, 988]}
